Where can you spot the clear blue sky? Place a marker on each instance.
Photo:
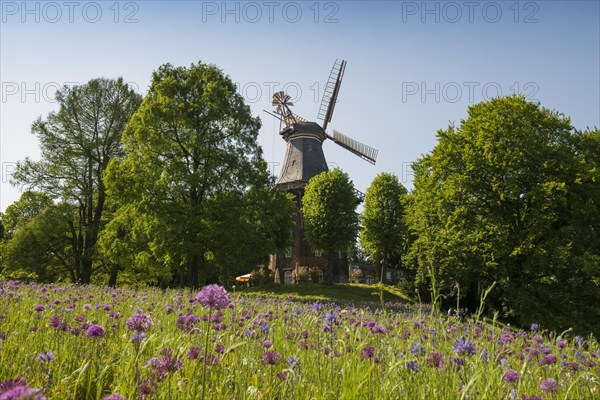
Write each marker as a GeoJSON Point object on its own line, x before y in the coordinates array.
{"type": "Point", "coordinates": [413, 67]}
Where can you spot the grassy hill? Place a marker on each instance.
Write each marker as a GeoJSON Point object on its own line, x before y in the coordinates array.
{"type": "Point", "coordinates": [341, 292]}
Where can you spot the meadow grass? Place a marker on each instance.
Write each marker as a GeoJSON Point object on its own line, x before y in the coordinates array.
{"type": "Point", "coordinates": [275, 347]}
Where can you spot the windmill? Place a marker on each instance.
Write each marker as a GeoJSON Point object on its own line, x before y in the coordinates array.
{"type": "Point", "coordinates": [304, 159]}
{"type": "Point", "coordinates": [282, 103]}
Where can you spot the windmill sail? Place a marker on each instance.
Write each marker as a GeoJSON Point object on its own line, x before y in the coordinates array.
{"type": "Point", "coordinates": [362, 150]}
{"type": "Point", "coordinates": [332, 88]}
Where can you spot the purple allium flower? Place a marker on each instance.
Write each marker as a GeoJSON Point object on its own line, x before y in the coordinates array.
{"type": "Point", "coordinates": [378, 329]}
{"type": "Point", "coordinates": [87, 307]}
{"type": "Point", "coordinates": [317, 306]}
{"type": "Point", "coordinates": [214, 297]}
{"type": "Point", "coordinates": [165, 365]}
{"type": "Point", "coordinates": [267, 343]}
{"type": "Point", "coordinates": [39, 308]}
{"type": "Point", "coordinates": [435, 360]}
{"type": "Point", "coordinates": [548, 359]}
{"type": "Point", "coordinates": [107, 307]}
{"type": "Point", "coordinates": [8, 384]}
{"type": "Point", "coordinates": [511, 376]}
{"type": "Point", "coordinates": [271, 358]}
{"type": "Point", "coordinates": [464, 346]}
{"type": "Point", "coordinates": [193, 353]}
{"type": "Point", "coordinates": [368, 352]}
{"type": "Point", "coordinates": [534, 327]}
{"type": "Point", "coordinates": [139, 323]}
{"type": "Point", "coordinates": [23, 392]}
{"type": "Point", "coordinates": [114, 397]}
{"type": "Point", "coordinates": [264, 327]}
{"type": "Point", "coordinates": [282, 376]}
{"type": "Point", "coordinates": [147, 387]}
{"type": "Point", "coordinates": [94, 331]}
{"type": "Point", "coordinates": [561, 344]}
{"type": "Point", "coordinates": [532, 397]}
{"type": "Point", "coordinates": [45, 357]}
{"type": "Point", "coordinates": [413, 366]}
{"type": "Point", "coordinates": [548, 385]}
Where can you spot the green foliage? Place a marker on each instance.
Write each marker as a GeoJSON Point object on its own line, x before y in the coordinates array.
{"type": "Point", "coordinates": [511, 196]}
{"type": "Point", "coordinates": [383, 233]}
{"type": "Point", "coordinates": [194, 179]}
{"type": "Point", "coordinates": [329, 210]}
{"type": "Point", "coordinates": [77, 142]}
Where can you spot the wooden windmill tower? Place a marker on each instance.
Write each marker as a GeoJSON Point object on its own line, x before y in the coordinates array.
{"type": "Point", "coordinates": [304, 159]}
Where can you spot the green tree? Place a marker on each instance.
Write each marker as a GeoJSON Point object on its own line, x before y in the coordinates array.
{"type": "Point", "coordinates": [329, 211]}
{"type": "Point", "coordinates": [192, 141]}
{"type": "Point", "coordinates": [511, 196]}
{"type": "Point", "coordinates": [77, 142]}
{"type": "Point", "coordinates": [383, 233]}
{"type": "Point", "coordinates": [38, 240]}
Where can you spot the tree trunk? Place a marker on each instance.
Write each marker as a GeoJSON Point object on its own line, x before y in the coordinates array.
{"type": "Point", "coordinates": [112, 275]}
{"type": "Point", "coordinates": [192, 272]}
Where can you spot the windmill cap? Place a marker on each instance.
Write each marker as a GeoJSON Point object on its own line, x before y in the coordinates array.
{"type": "Point", "coordinates": [304, 129]}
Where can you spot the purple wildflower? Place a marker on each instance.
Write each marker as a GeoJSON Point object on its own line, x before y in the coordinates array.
{"type": "Point", "coordinates": [532, 397]}
{"type": "Point", "coordinates": [267, 343]}
{"type": "Point", "coordinates": [22, 393]}
{"type": "Point", "coordinates": [45, 357]}
{"type": "Point", "coordinates": [548, 385]}
{"type": "Point", "coordinates": [193, 353]}
{"type": "Point", "coordinates": [293, 361]}
{"type": "Point", "coordinates": [94, 331]}
{"type": "Point", "coordinates": [139, 323]}
{"type": "Point", "coordinates": [368, 352]}
{"type": "Point", "coordinates": [39, 308]}
{"type": "Point", "coordinates": [511, 376]}
{"type": "Point", "coordinates": [282, 376]}
{"type": "Point", "coordinates": [464, 346]}
{"type": "Point", "coordinates": [436, 360]}
{"type": "Point", "coordinates": [114, 397]}
{"type": "Point", "coordinates": [214, 297]}
{"type": "Point", "coordinates": [378, 329]}
{"type": "Point", "coordinates": [417, 349]}
{"type": "Point", "coordinates": [548, 359]}
{"type": "Point", "coordinates": [534, 327]}
{"type": "Point", "coordinates": [271, 358]}
{"type": "Point", "coordinates": [413, 366]}
{"type": "Point", "coordinates": [138, 337]}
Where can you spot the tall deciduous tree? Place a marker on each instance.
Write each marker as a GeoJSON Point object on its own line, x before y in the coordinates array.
{"type": "Point", "coordinates": [329, 210]}
{"type": "Point", "coordinates": [192, 141]}
{"type": "Point", "coordinates": [511, 196]}
{"type": "Point", "coordinates": [383, 233]}
{"type": "Point", "coordinates": [77, 142]}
